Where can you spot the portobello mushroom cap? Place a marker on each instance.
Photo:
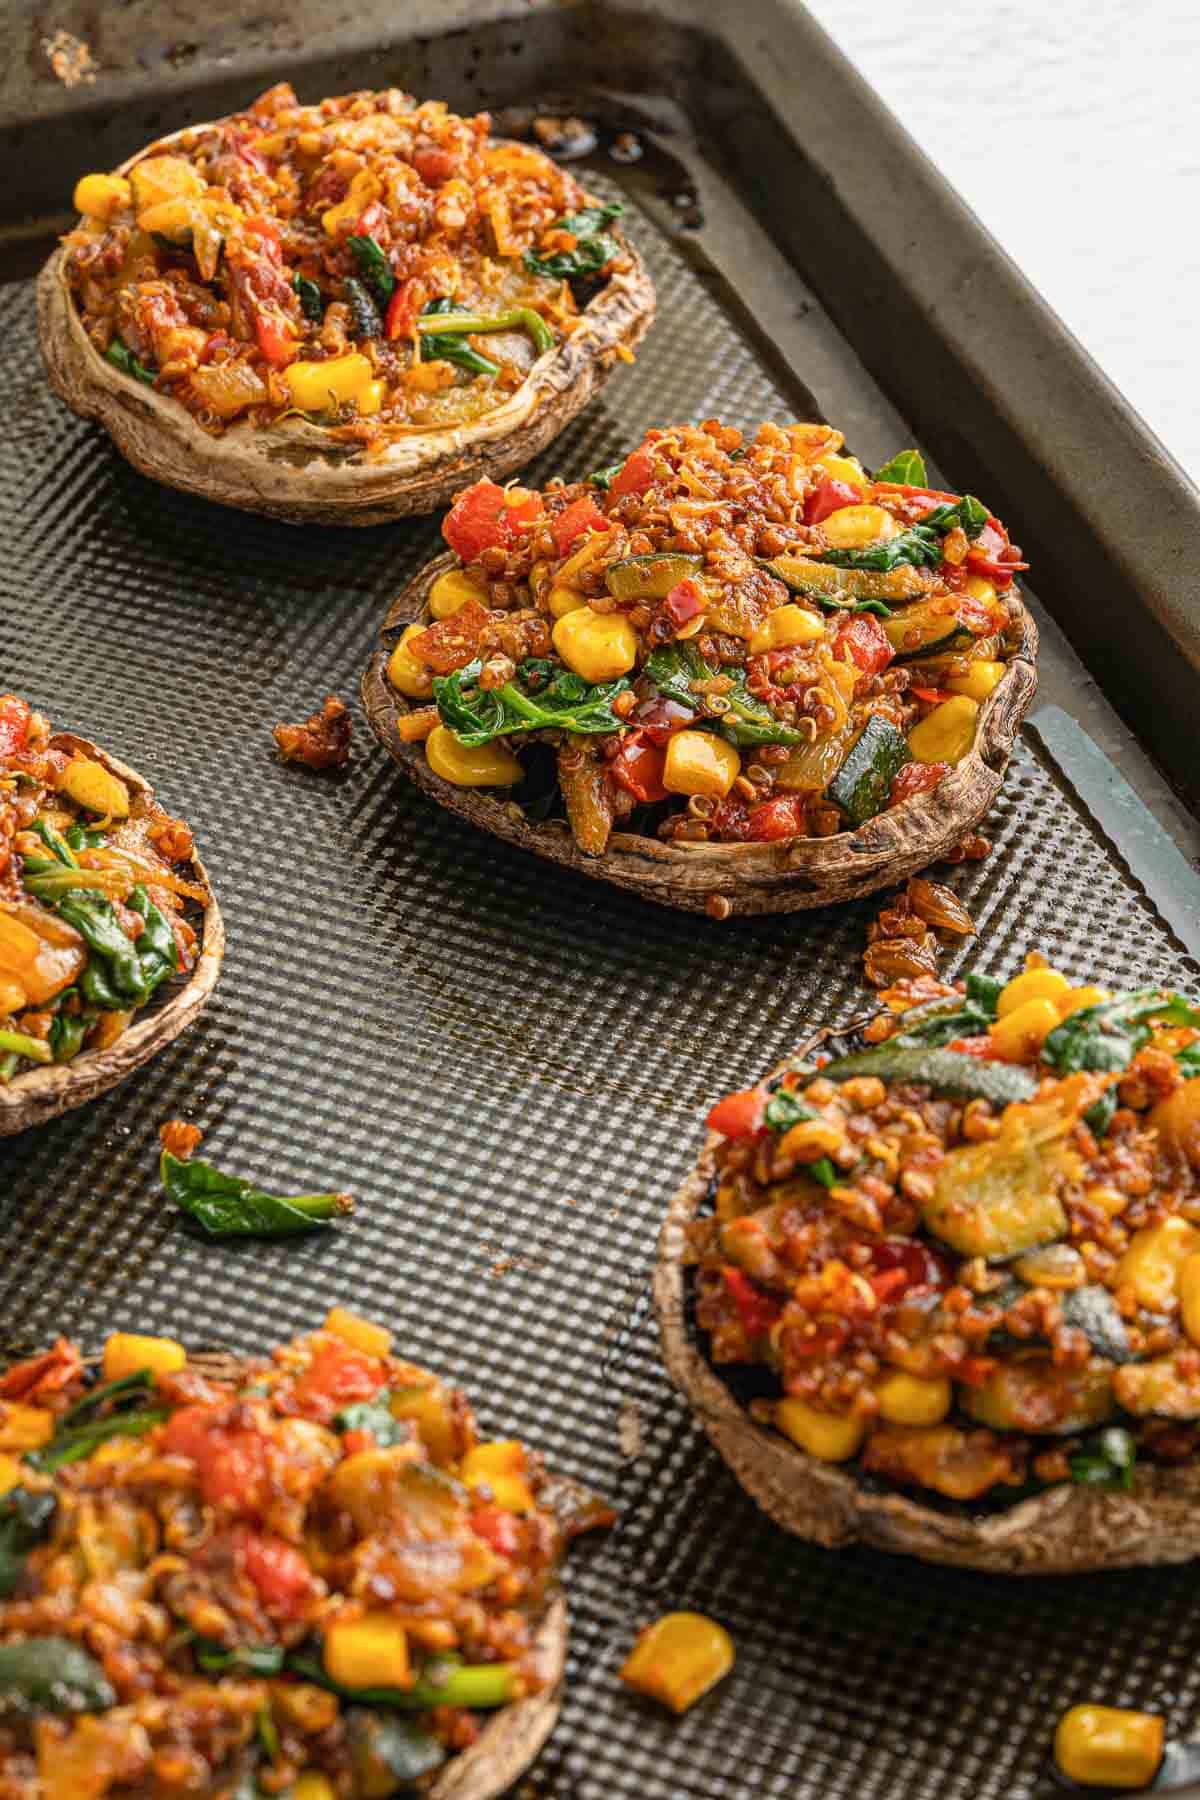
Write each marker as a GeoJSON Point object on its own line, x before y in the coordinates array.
{"type": "Point", "coordinates": [790, 876]}
{"type": "Point", "coordinates": [512, 1737]}
{"type": "Point", "coordinates": [41, 1093]}
{"type": "Point", "coordinates": [292, 469]}
{"type": "Point", "coordinates": [1066, 1530]}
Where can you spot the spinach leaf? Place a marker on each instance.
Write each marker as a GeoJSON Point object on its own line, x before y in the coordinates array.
{"type": "Point", "coordinates": [68, 1029]}
{"type": "Point", "coordinates": [541, 696]}
{"type": "Point", "coordinates": [25, 1518]}
{"type": "Point", "coordinates": [96, 922]}
{"type": "Point", "coordinates": [748, 721]}
{"type": "Point", "coordinates": [156, 948]}
{"type": "Point", "coordinates": [376, 1417]}
{"type": "Point", "coordinates": [1189, 1059]}
{"type": "Point", "coordinates": [249, 1659]}
{"type": "Point", "coordinates": [842, 603]}
{"type": "Point", "coordinates": [1107, 1460]}
{"type": "Point", "coordinates": [907, 467]}
{"type": "Point", "coordinates": [227, 1206]}
{"type": "Point", "coordinates": [122, 358]}
{"type": "Point", "coordinates": [58, 847]}
{"type": "Point", "coordinates": [368, 320]}
{"type": "Point", "coordinates": [78, 1441]}
{"type": "Point", "coordinates": [1099, 1116]}
{"type": "Point", "coordinates": [312, 301]}
{"type": "Point", "coordinates": [86, 1408]}
{"type": "Point", "coordinates": [80, 838]}
{"type": "Point", "coordinates": [594, 247]}
{"type": "Point", "coordinates": [374, 268]}
{"type": "Point", "coordinates": [447, 346]}
{"type": "Point", "coordinates": [785, 1109]}
{"type": "Point", "coordinates": [920, 545]}
{"type": "Point", "coordinates": [939, 1022]}
{"type": "Point", "coordinates": [604, 478]}
{"type": "Point", "coordinates": [51, 1674]}
{"type": "Point", "coordinates": [1108, 1036]}
{"type": "Point", "coordinates": [985, 991]}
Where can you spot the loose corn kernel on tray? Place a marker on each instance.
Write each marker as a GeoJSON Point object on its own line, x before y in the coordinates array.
{"type": "Point", "coordinates": [508, 1065]}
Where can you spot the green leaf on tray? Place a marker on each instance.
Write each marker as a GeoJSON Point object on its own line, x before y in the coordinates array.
{"type": "Point", "coordinates": [227, 1206]}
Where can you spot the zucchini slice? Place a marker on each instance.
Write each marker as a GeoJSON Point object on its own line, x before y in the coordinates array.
{"type": "Point", "coordinates": [946, 1071]}
{"type": "Point", "coordinates": [1093, 1311]}
{"type": "Point", "coordinates": [1031, 1394]}
{"type": "Point", "coordinates": [51, 1674]}
{"type": "Point", "coordinates": [801, 576]}
{"type": "Point", "coordinates": [650, 577]}
{"type": "Point", "coordinates": [863, 783]}
{"type": "Point", "coordinates": [925, 630]}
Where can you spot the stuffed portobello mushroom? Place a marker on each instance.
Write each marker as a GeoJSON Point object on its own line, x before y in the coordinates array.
{"type": "Point", "coordinates": [305, 1574]}
{"type": "Point", "coordinates": [753, 677]}
{"type": "Point", "coordinates": [938, 1290]}
{"type": "Point", "coordinates": [338, 312]}
{"type": "Point", "coordinates": [103, 903]}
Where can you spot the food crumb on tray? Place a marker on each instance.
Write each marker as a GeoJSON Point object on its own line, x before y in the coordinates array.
{"type": "Point", "coordinates": [70, 58]}
{"type": "Point", "coordinates": [322, 741]}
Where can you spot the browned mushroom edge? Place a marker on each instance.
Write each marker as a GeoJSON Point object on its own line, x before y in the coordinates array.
{"type": "Point", "coordinates": [39, 1094]}
{"type": "Point", "coordinates": [754, 878]}
{"type": "Point", "coordinates": [292, 470]}
{"type": "Point", "coordinates": [1065, 1530]}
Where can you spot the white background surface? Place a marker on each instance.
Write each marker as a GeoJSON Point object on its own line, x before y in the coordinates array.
{"type": "Point", "coordinates": [1072, 127]}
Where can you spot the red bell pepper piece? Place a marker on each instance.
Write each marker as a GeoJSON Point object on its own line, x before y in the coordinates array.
{"type": "Point", "coordinates": [917, 1264]}
{"type": "Point", "coordinates": [756, 1310]}
{"type": "Point", "coordinates": [487, 517]}
{"type": "Point", "coordinates": [569, 526]}
{"type": "Point", "coordinates": [685, 601]}
{"type": "Point", "coordinates": [862, 640]}
{"type": "Point", "coordinates": [638, 766]}
{"type": "Point", "coordinates": [829, 496]}
{"type": "Point", "coordinates": [973, 1046]}
{"type": "Point", "coordinates": [931, 696]}
{"type": "Point", "coordinates": [660, 719]}
{"type": "Point", "coordinates": [739, 1115]}
{"type": "Point", "coordinates": [636, 475]}
{"type": "Point", "coordinates": [337, 1376]}
{"type": "Point", "coordinates": [498, 1528]}
{"type": "Point", "coordinates": [231, 1461]}
{"type": "Point", "coordinates": [779, 818]}
{"type": "Point", "coordinates": [825, 1339]}
{"type": "Point", "coordinates": [992, 556]}
{"type": "Point", "coordinates": [279, 1572]}
{"type": "Point", "coordinates": [404, 308]}
{"type": "Point", "coordinates": [40, 1376]}
{"type": "Point", "coordinates": [14, 724]}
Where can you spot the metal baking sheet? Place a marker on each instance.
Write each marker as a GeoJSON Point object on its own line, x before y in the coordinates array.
{"type": "Point", "coordinates": [507, 1064]}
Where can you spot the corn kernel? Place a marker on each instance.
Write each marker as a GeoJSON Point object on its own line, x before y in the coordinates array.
{"type": "Point", "coordinates": [598, 646]}
{"type": "Point", "coordinates": [786, 626]}
{"type": "Point", "coordinates": [854, 527]}
{"type": "Point", "coordinates": [24, 1427]}
{"type": "Point", "coordinates": [125, 1353]}
{"type": "Point", "coordinates": [978, 680]}
{"type": "Point", "coordinates": [310, 1784]}
{"type": "Point", "coordinates": [89, 784]}
{"type": "Point", "coordinates": [948, 732]}
{"type": "Point", "coordinates": [913, 1399]}
{"type": "Point", "coordinates": [318, 386]}
{"type": "Point", "coordinates": [404, 671]}
{"type": "Point", "coordinates": [1020, 1034]}
{"type": "Point", "coordinates": [563, 600]}
{"type": "Point", "coordinates": [367, 1652]}
{"type": "Point", "coordinates": [158, 178]}
{"type": "Point", "coordinates": [830, 1437]}
{"type": "Point", "coordinates": [485, 765]}
{"type": "Point", "coordinates": [847, 469]}
{"type": "Point", "coordinates": [1109, 1199]}
{"type": "Point", "coordinates": [699, 762]}
{"type": "Point", "coordinates": [809, 1140]}
{"type": "Point", "coordinates": [11, 1474]}
{"type": "Point", "coordinates": [451, 591]}
{"type": "Point", "coordinates": [1189, 1296]}
{"type": "Point", "coordinates": [503, 1456]}
{"type": "Point", "coordinates": [678, 1659]}
{"type": "Point", "coordinates": [1153, 1262]}
{"type": "Point", "coordinates": [979, 588]}
{"type": "Point", "coordinates": [99, 196]}
{"type": "Point", "coordinates": [1034, 984]}
{"type": "Point", "coordinates": [360, 1334]}
{"type": "Point", "coordinates": [1076, 999]}
{"type": "Point", "coordinates": [1104, 1746]}
{"type": "Point", "coordinates": [370, 398]}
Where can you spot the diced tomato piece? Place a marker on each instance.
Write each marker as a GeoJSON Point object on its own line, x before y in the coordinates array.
{"type": "Point", "coordinates": [14, 724]}
{"type": "Point", "coordinates": [403, 311]}
{"type": "Point", "coordinates": [781, 818]}
{"type": "Point", "coordinates": [582, 515]}
{"type": "Point", "coordinates": [372, 222]}
{"type": "Point", "coordinates": [739, 1115]}
{"type": "Point", "coordinates": [825, 1339]}
{"type": "Point", "coordinates": [41, 1376]}
{"type": "Point", "coordinates": [861, 639]}
{"type": "Point", "coordinates": [757, 1311]}
{"type": "Point", "coordinates": [636, 475]}
{"type": "Point", "coordinates": [935, 496]}
{"type": "Point", "coordinates": [279, 1572]}
{"type": "Point", "coordinates": [486, 517]}
{"type": "Point", "coordinates": [916, 1264]}
{"type": "Point", "coordinates": [916, 778]}
{"type": "Point", "coordinates": [267, 233]}
{"type": "Point", "coordinates": [434, 165]}
{"type": "Point", "coordinates": [973, 1046]}
{"type": "Point", "coordinates": [829, 496]}
{"type": "Point", "coordinates": [685, 601]}
{"type": "Point", "coordinates": [498, 1528]}
{"type": "Point", "coordinates": [275, 337]}
{"type": "Point", "coordinates": [931, 696]}
{"type": "Point", "coordinates": [992, 556]}
{"type": "Point", "coordinates": [336, 1377]}
{"type": "Point", "coordinates": [638, 766]}
{"type": "Point", "coordinates": [451, 643]}
{"type": "Point", "coordinates": [231, 1461]}
{"type": "Point", "coordinates": [660, 719]}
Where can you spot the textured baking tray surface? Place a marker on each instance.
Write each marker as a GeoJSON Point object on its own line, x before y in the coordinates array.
{"type": "Point", "coordinates": [507, 1065]}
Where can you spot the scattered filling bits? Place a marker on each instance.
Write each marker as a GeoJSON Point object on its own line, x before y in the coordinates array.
{"type": "Point", "coordinates": [322, 742]}
{"type": "Point", "coordinates": [1104, 1746]}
